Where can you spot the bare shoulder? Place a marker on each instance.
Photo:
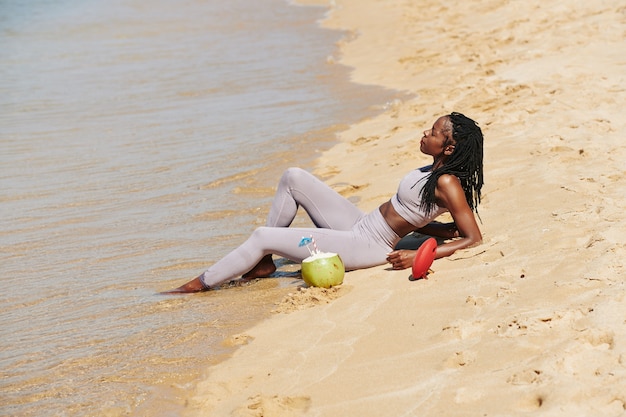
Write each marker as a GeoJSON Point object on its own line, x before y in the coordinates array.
{"type": "Point", "coordinates": [449, 191]}
{"type": "Point", "coordinates": [448, 181]}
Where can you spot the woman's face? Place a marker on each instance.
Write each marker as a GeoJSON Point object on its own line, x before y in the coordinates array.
{"type": "Point", "coordinates": [438, 141]}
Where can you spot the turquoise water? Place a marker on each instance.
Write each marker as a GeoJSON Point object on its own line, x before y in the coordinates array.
{"type": "Point", "coordinates": [140, 142]}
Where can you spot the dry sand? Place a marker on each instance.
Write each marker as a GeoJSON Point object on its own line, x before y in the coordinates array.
{"type": "Point", "coordinates": [531, 322]}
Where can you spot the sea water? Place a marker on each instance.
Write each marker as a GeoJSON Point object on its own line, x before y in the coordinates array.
{"type": "Point", "coordinates": [139, 142]}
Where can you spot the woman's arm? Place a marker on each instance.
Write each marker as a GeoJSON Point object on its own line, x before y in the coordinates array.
{"type": "Point", "coordinates": [450, 194]}
{"type": "Point", "coordinates": [463, 230]}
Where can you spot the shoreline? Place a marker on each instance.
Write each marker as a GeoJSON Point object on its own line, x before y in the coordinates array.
{"type": "Point", "coordinates": [531, 320]}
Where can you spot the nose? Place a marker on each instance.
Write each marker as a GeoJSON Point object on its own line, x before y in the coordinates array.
{"type": "Point", "coordinates": [427, 132]}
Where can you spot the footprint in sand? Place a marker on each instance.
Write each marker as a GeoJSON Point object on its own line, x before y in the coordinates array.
{"type": "Point", "coordinates": [460, 359]}
{"type": "Point", "coordinates": [522, 326]}
{"type": "Point", "coordinates": [462, 329]}
{"type": "Point", "coordinates": [346, 189]}
{"type": "Point", "coordinates": [538, 322]}
{"type": "Point", "coordinates": [526, 377]}
{"type": "Point", "coordinates": [476, 301]}
{"type": "Point", "coordinates": [261, 405]}
{"type": "Point", "coordinates": [598, 338]}
{"type": "Point", "coordinates": [363, 140]}
{"type": "Point", "coordinates": [531, 377]}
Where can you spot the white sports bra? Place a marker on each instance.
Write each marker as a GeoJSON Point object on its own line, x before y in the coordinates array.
{"type": "Point", "coordinates": [407, 199]}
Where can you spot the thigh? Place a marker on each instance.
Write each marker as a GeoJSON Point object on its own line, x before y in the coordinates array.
{"type": "Point", "coordinates": [325, 206]}
{"type": "Point", "coordinates": [356, 251]}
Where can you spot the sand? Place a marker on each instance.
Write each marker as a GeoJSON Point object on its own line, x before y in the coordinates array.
{"type": "Point", "coordinates": [533, 321]}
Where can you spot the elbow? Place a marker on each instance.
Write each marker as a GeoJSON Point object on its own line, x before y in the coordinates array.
{"type": "Point", "coordinates": [472, 243]}
{"type": "Point", "coordinates": [475, 241]}
{"type": "Point", "coordinates": [471, 239]}
{"type": "Point", "coordinates": [475, 237]}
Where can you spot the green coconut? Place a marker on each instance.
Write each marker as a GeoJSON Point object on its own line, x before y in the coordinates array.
{"type": "Point", "coordinates": [323, 270]}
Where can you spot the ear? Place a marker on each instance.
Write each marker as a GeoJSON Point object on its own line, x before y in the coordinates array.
{"type": "Point", "coordinates": [448, 150]}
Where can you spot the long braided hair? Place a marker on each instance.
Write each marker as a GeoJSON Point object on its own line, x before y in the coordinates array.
{"type": "Point", "coordinates": [465, 162]}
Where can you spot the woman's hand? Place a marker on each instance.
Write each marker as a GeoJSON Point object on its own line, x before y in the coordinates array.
{"type": "Point", "coordinates": [401, 259]}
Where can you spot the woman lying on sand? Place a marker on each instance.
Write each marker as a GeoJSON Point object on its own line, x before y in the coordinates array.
{"type": "Point", "coordinates": [362, 240]}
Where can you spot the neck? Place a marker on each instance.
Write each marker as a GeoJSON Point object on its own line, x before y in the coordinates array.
{"type": "Point", "coordinates": [438, 162]}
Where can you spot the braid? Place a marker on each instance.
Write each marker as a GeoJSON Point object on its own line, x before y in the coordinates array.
{"type": "Point", "coordinates": [466, 163]}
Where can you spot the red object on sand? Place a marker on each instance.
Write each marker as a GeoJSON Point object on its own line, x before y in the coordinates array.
{"type": "Point", "coordinates": [424, 258]}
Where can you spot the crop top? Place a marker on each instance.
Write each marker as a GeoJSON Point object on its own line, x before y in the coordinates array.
{"type": "Point", "coordinates": [407, 199]}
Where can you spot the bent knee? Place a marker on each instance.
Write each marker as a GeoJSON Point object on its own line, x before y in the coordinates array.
{"type": "Point", "coordinates": [259, 233]}
{"type": "Point", "coordinates": [293, 174]}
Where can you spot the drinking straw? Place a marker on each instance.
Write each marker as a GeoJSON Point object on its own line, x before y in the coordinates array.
{"type": "Point", "coordinates": [314, 245]}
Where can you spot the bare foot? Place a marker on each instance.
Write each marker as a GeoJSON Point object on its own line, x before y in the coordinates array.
{"type": "Point", "coordinates": [263, 269]}
{"type": "Point", "coordinates": [195, 285]}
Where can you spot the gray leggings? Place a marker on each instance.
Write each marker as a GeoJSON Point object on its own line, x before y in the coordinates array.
{"type": "Point", "coordinates": [361, 240]}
